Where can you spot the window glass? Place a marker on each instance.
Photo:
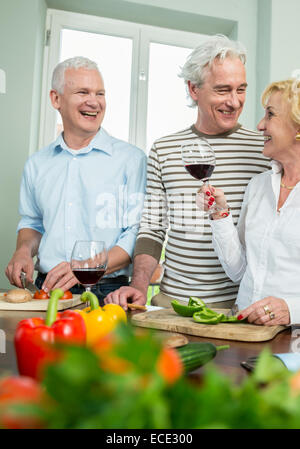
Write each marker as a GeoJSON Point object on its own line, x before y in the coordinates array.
{"type": "Point", "coordinates": [113, 55]}
{"type": "Point", "coordinates": [168, 109]}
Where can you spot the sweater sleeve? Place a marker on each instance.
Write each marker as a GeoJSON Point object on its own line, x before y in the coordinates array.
{"type": "Point", "coordinates": [154, 222]}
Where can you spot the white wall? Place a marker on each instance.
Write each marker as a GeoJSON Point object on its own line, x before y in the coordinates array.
{"type": "Point", "coordinates": [285, 38]}
{"type": "Point", "coordinates": [21, 51]}
{"type": "Point", "coordinates": [278, 51]}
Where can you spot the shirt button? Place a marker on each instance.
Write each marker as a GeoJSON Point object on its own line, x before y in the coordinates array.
{"type": "Point", "coordinates": [74, 158]}
{"type": "Point", "coordinates": [70, 204]}
{"type": "Point", "coordinates": [68, 228]}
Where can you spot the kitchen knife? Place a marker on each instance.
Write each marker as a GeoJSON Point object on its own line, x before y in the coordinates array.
{"type": "Point", "coordinates": [233, 311]}
{"type": "Point", "coordinates": [27, 284]}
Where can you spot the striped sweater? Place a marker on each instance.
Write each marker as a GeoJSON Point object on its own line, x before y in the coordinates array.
{"type": "Point", "coordinates": [191, 266]}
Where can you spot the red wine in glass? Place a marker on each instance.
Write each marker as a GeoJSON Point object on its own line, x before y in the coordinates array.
{"type": "Point", "coordinates": [88, 276]}
{"type": "Point", "coordinates": [200, 171]}
{"type": "Point", "coordinates": [89, 262]}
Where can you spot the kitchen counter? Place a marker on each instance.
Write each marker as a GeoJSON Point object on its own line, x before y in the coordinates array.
{"type": "Point", "coordinates": [228, 361]}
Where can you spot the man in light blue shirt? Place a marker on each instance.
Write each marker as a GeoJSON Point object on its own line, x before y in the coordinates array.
{"type": "Point", "coordinates": [87, 185]}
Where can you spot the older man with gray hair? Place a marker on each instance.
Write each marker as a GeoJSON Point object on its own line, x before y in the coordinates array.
{"type": "Point", "coordinates": [87, 185]}
{"type": "Point", "coordinates": [215, 78]}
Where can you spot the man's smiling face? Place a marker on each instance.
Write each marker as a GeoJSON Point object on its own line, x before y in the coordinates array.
{"type": "Point", "coordinates": [82, 103]}
{"type": "Point", "coordinates": [221, 97]}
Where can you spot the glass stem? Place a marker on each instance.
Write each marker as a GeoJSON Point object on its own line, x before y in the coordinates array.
{"type": "Point", "coordinates": [88, 289]}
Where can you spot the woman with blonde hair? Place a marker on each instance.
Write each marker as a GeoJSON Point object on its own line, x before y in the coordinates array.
{"type": "Point", "coordinates": [263, 251]}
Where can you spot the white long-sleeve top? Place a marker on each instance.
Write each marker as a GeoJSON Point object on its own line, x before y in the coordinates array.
{"type": "Point", "coordinates": [263, 250]}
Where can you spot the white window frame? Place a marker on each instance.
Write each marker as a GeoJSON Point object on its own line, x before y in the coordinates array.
{"type": "Point", "coordinates": [141, 35]}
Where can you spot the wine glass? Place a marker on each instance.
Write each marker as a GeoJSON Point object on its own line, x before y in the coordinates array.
{"type": "Point", "coordinates": [199, 160]}
{"type": "Point", "coordinates": [89, 262]}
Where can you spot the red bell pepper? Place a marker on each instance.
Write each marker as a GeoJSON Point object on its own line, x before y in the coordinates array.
{"type": "Point", "coordinates": [35, 338]}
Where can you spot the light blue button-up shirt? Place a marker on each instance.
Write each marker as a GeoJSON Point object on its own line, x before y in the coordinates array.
{"type": "Point", "coordinates": [95, 193]}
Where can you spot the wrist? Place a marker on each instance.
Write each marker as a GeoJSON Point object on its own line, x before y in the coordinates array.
{"type": "Point", "coordinates": [24, 251]}
{"type": "Point", "coordinates": [141, 287]}
{"type": "Point", "coordinates": [143, 269]}
{"type": "Point", "coordinates": [221, 213]}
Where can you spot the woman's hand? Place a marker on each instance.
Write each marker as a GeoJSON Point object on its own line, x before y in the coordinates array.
{"type": "Point", "coordinates": [269, 311]}
{"type": "Point", "coordinates": [208, 196]}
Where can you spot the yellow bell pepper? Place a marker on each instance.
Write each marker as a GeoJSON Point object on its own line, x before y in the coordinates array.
{"type": "Point", "coordinates": [98, 321]}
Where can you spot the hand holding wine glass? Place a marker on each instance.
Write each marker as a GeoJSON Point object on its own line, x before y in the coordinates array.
{"type": "Point", "coordinates": [211, 200]}
{"type": "Point", "coordinates": [89, 262]}
{"type": "Point", "coordinates": [199, 160]}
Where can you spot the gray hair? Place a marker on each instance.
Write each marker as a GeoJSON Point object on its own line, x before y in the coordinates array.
{"type": "Point", "coordinates": [218, 46]}
{"type": "Point", "coordinates": [58, 77]}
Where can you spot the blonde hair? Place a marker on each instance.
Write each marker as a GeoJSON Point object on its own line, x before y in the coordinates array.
{"type": "Point", "coordinates": [290, 90]}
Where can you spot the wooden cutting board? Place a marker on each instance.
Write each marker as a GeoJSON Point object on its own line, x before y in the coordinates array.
{"type": "Point", "coordinates": [39, 304]}
{"type": "Point", "coordinates": [167, 319]}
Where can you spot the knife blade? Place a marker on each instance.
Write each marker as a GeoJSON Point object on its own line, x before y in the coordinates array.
{"type": "Point", "coordinates": [27, 284]}
{"type": "Point", "coordinates": [233, 311]}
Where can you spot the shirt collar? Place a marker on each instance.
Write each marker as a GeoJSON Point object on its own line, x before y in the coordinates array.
{"type": "Point", "coordinates": [224, 134]}
{"type": "Point", "coordinates": [276, 167]}
{"type": "Point", "coordinates": [101, 142]}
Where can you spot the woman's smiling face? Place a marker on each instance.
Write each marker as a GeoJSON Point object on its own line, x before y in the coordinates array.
{"type": "Point", "coordinates": [278, 127]}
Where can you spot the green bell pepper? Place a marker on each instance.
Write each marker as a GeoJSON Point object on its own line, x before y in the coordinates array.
{"type": "Point", "coordinates": [195, 302]}
{"type": "Point", "coordinates": [185, 310]}
{"type": "Point", "coordinates": [207, 318]}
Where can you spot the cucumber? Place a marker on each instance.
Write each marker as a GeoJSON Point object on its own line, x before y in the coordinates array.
{"type": "Point", "coordinates": [194, 354]}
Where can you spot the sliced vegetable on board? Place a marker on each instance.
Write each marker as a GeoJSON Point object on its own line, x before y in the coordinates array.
{"type": "Point", "coordinates": [208, 316]}
{"type": "Point", "coordinates": [197, 309]}
{"type": "Point", "coordinates": [194, 305]}
{"type": "Point", "coordinates": [41, 294]}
